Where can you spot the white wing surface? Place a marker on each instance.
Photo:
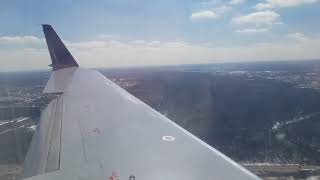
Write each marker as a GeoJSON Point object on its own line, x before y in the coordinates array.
{"type": "Point", "coordinates": [97, 130]}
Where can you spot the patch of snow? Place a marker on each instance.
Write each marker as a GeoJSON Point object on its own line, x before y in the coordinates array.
{"type": "Point", "coordinates": [22, 119]}
{"type": "Point", "coordinates": [3, 122]}
{"type": "Point", "coordinates": [33, 127]}
{"type": "Point", "coordinates": [280, 136]}
{"type": "Point", "coordinates": [276, 126]}
{"type": "Point", "coordinates": [268, 164]}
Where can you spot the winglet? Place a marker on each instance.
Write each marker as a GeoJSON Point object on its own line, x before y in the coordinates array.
{"type": "Point", "coordinates": [60, 56]}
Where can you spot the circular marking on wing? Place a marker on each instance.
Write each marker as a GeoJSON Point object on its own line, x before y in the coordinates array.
{"type": "Point", "coordinates": [87, 108]}
{"type": "Point", "coordinates": [168, 138]}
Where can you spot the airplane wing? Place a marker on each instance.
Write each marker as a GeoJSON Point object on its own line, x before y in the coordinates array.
{"type": "Point", "coordinates": [95, 129]}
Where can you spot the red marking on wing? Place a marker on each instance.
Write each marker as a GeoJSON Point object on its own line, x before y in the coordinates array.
{"type": "Point", "coordinates": [114, 176]}
{"type": "Point", "coordinates": [97, 131]}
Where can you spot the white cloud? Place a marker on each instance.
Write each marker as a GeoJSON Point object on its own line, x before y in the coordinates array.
{"type": "Point", "coordinates": [297, 37]}
{"type": "Point", "coordinates": [211, 9]}
{"type": "Point", "coordinates": [236, 2]}
{"type": "Point", "coordinates": [252, 30]}
{"type": "Point", "coordinates": [24, 59]}
{"type": "Point", "coordinates": [88, 44]}
{"type": "Point", "coordinates": [111, 53]}
{"type": "Point", "coordinates": [204, 15]}
{"type": "Point", "coordinates": [18, 40]}
{"type": "Point", "coordinates": [258, 18]}
{"type": "Point", "coordinates": [222, 9]}
{"type": "Point", "coordinates": [282, 3]}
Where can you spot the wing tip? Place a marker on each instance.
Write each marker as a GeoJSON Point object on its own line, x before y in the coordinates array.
{"type": "Point", "coordinates": [60, 55]}
{"type": "Point", "coordinates": [47, 28]}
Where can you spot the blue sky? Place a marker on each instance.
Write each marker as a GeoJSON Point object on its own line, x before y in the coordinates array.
{"type": "Point", "coordinates": [146, 32]}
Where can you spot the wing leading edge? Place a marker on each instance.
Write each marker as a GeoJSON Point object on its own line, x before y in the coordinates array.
{"type": "Point", "coordinates": [97, 130]}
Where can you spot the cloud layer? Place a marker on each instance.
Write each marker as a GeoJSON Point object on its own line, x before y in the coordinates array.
{"type": "Point", "coordinates": [297, 36]}
{"type": "Point", "coordinates": [20, 40]}
{"type": "Point", "coordinates": [114, 53]}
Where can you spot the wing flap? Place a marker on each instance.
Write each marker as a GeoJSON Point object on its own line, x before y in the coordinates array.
{"type": "Point", "coordinates": [53, 157]}
{"type": "Point", "coordinates": [44, 152]}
